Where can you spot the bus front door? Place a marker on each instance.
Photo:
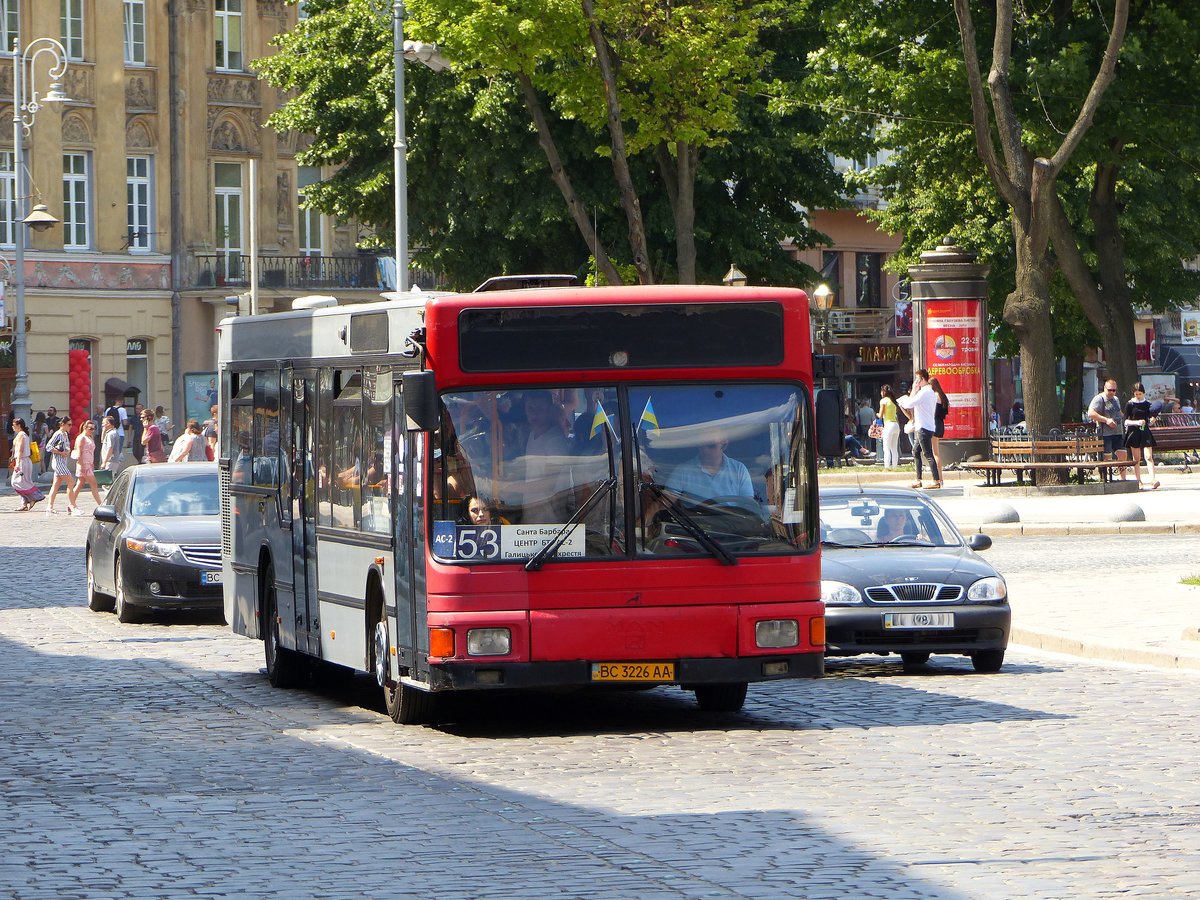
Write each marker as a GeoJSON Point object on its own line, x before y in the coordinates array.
{"type": "Point", "coordinates": [407, 518]}
{"type": "Point", "coordinates": [304, 511]}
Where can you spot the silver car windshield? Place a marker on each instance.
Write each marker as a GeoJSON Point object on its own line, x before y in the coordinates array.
{"type": "Point", "coordinates": [883, 520]}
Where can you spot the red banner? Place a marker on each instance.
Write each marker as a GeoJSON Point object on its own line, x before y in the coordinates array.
{"type": "Point", "coordinates": [954, 352]}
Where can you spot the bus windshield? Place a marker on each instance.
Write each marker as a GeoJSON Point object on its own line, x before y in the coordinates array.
{"type": "Point", "coordinates": [607, 471]}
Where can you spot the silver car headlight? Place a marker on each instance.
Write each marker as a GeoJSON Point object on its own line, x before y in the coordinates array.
{"type": "Point", "coordinates": [156, 549]}
{"type": "Point", "coordinates": [838, 593]}
{"type": "Point", "coordinates": [988, 590]}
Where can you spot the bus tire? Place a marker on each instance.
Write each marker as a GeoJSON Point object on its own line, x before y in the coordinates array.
{"type": "Point", "coordinates": [97, 601]}
{"type": "Point", "coordinates": [721, 697]}
{"type": "Point", "coordinates": [285, 668]}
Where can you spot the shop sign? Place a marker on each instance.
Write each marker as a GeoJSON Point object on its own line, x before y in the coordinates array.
{"type": "Point", "coordinates": [881, 353]}
{"type": "Point", "coordinates": [1190, 322]}
{"type": "Point", "coordinates": [954, 346]}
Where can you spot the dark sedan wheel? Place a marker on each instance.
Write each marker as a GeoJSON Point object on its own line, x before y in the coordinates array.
{"type": "Point", "coordinates": [97, 601]}
{"type": "Point", "coordinates": [125, 611]}
{"type": "Point", "coordinates": [915, 658]}
{"type": "Point", "coordinates": [988, 660]}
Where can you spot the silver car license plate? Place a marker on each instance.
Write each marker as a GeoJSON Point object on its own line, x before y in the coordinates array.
{"type": "Point", "coordinates": [210, 577]}
{"type": "Point", "coordinates": [918, 620]}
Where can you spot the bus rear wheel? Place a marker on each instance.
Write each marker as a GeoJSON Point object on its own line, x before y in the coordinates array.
{"type": "Point", "coordinates": [406, 705]}
{"type": "Point", "coordinates": [721, 697]}
{"type": "Point", "coordinates": [285, 668]}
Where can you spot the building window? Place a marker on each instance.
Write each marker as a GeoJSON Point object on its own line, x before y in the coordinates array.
{"type": "Point", "coordinates": [8, 200]}
{"type": "Point", "coordinates": [310, 229]}
{"type": "Point", "coordinates": [10, 18]}
{"type": "Point", "coordinates": [139, 208]}
{"type": "Point", "coordinates": [135, 32]}
{"type": "Point", "coordinates": [301, 10]}
{"type": "Point", "coordinates": [229, 34]}
{"type": "Point", "coordinates": [76, 202]}
{"type": "Point", "coordinates": [831, 272]}
{"type": "Point", "coordinates": [227, 220]}
{"type": "Point", "coordinates": [867, 277]}
{"type": "Point", "coordinates": [72, 28]}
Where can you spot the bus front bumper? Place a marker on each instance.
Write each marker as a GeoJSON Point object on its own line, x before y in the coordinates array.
{"type": "Point", "coordinates": [579, 673]}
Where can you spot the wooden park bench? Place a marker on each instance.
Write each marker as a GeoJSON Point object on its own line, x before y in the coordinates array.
{"type": "Point", "coordinates": [1079, 452]}
{"type": "Point", "coordinates": [1177, 431]}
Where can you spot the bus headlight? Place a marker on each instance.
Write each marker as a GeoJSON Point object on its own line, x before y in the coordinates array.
{"type": "Point", "coordinates": [157, 549]}
{"type": "Point", "coordinates": [988, 590]}
{"type": "Point", "coordinates": [838, 593]}
{"type": "Point", "coordinates": [776, 633]}
{"type": "Point", "coordinates": [489, 642]}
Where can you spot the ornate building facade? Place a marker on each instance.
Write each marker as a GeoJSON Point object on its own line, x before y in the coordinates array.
{"type": "Point", "coordinates": [148, 165]}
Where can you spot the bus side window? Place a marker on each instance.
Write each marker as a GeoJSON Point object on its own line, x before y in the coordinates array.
{"type": "Point", "coordinates": [348, 466]}
{"type": "Point", "coordinates": [377, 427]}
{"type": "Point", "coordinates": [266, 432]}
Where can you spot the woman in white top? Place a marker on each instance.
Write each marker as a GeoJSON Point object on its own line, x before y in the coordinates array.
{"type": "Point", "coordinates": [189, 446]}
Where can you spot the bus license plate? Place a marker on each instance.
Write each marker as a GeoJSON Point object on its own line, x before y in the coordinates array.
{"type": "Point", "coordinates": [918, 620]}
{"type": "Point", "coordinates": [627, 671]}
{"type": "Point", "coordinates": [210, 577]}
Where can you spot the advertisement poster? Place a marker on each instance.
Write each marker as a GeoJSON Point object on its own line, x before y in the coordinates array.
{"type": "Point", "coordinates": [954, 346]}
{"type": "Point", "coordinates": [199, 395]}
{"type": "Point", "coordinates": [1190, 325]}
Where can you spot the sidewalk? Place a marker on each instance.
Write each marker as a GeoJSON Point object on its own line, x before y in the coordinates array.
{"type": "Point", "coordinates": [1157, 625]}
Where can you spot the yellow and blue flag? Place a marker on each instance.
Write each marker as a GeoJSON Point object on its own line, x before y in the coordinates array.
{"type": "Point", "coordinates": [649, 420]}
{"type": "Point", "coordinates": [599, 420]}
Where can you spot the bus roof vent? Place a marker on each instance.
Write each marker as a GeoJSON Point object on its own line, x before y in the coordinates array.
{"type": "Point", "coordinates": [314, 301]}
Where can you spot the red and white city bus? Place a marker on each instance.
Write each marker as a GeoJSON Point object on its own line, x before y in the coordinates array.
{"type": "Point", "coordinates": [556, 487]}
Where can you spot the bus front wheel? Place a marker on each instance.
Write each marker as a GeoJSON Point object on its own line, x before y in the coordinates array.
{"type": "Point", "coordinates": [721, 697]}
{"type": "Point", "coordinates": [406, 705]}
{"type": "Point", "coordinates": [285, 668]}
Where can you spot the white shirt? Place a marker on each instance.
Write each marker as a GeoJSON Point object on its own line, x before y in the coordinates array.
{"type": "Point", "coordinates": [922, 407]}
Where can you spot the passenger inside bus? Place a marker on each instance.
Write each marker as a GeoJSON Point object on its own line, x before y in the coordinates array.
{"type": "Point", "coordinates": [543, 467]}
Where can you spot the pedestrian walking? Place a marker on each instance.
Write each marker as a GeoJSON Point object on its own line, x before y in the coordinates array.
{"type": "Point", "coordinates": [108, 449]}
{"type": "Point", "coordinates": [152, 439]}
{"type": "Point", "coordinates": [85, 473]}
{"type": "Point", "coordinates": [21, 474]}
{"type": "Point", "coordinates": [891, 427]}
{"type": "Point", "coordinates": [163, 421]}
{"type": "Point", "coordinates": [38, 435]}
{"type": "Point", "coordinates": [59, 446]}
{"type": "Point", "coordinates": [864, 418]}
{"type": "Point", "coordinates": [189, 446]}
{"type": "Point", "coordinates": [1105, 411]}
{"type": "Point", "coordinates": [939, 419]}
{"type": "Point", "coordinates": [921, 402]}
{"type": "Point", "coordinates": [1138, 438]}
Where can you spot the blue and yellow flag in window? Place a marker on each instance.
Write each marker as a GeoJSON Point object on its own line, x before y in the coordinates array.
{"type": "Point", "coordinates": [599, 420]}
{"type": "Point", "coordinates": [649, 420]}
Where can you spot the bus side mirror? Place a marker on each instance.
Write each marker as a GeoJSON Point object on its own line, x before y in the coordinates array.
{"type": "Point", "coordinates": [830, 439]}
{"type": "Point", "coordinates": [420, 400]}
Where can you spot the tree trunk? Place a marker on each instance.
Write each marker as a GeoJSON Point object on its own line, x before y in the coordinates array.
{"type": "Point", "coordinates": [679, 178]}
{"type": "Point", "coordinates": [558, 173]}
{"type": "Point", "coordinates": [620, 158]}
{"type": "Point", "coordinates": [1072, 408]}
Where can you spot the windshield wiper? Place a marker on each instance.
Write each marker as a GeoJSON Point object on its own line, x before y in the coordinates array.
{"type": "Point", "coordinates": [687, 523]}
{"type": "Point", "coordinates": [539, 559]}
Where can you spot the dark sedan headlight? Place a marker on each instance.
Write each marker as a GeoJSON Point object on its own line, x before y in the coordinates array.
{"type": "Point", "coordinates": [988, 590]}
{"type": "Point", "coordinates": [154, 549]}
{"type": "Point", "coordinates": [838, 593]}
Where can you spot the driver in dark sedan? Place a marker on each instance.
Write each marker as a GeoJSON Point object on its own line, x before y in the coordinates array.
{"type": "Point", "coordinates": [895, 523]}
{"type": "Point", "coordinates": [711, 473]}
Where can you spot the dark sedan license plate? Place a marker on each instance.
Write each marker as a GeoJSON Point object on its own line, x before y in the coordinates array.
{"type": "Point", "coordinates": [627, 671]}
{"type": "Point", "coordinates": [210, 577]}
{"type": "Point", "coordinates": [918, 620]}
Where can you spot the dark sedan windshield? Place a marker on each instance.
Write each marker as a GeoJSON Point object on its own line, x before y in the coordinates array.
{"type": "Point", "coordinates": [882, 520]}
{"type": "Point", "coordinates": [176, 495]}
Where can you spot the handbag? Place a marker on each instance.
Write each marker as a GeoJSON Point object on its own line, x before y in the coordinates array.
{"type": "Point", "coordinates": [911, 427]}
{"type": "Point", "coordinates": [876, 430]}
{"type": "Point", "coordinates": [12, 463]}
{"type": "Point", "coordinates": [35, 453]}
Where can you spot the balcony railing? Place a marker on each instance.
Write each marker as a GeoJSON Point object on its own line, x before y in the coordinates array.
{"type": "Point", "coordinates": [291, 272]}
{"type": "Point", "coordinates": [856, 324]}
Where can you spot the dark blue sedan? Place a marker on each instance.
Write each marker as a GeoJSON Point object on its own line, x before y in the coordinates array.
{"type": "Point", "coordinates": [156, 541]}
{"type": "Point", "coordinates": [898, 577]}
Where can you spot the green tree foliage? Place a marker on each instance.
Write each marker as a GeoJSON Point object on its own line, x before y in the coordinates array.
{"type": "Point", "coordinates": [480, 199]}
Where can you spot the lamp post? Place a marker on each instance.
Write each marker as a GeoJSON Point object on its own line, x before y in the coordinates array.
{"type": "Point", "coordinates": [735, 277]}
{"type": "Point", "coordinates": [431, 57]}
{"type": "Point", "coordinates": [823, 298]}
{"type": "Point", "coordinates": [26, 104]}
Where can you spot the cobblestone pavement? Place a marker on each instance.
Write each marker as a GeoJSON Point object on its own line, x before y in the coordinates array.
{"type": "Point", "coordinates": [154, 760]}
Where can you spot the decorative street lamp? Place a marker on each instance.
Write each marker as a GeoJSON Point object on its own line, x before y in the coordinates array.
{"type": "Point", "coordinates": [429, 55]}
{"type": "Point", "coordinates": [823, 297]}
{"type": "Point", "coordinates": [26, 104]}
{"type": "Point", "coordinates": [735, 277]}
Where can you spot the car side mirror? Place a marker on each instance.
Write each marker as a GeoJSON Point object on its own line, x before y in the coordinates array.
{"type": "Point", "coordinates": [105, 513]}
{"type": "Point", "coordinates": [979, 542]}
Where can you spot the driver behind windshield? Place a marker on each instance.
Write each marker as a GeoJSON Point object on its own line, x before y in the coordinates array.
{"type": "Point", "coordinates": [894, 523]}
{"type": "Point", "coordinates": [710, 473]}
